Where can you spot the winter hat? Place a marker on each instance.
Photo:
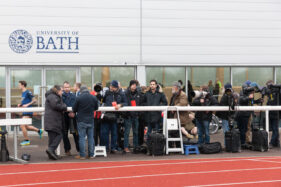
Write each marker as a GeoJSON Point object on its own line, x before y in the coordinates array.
{"type": "Point", "coordinates": [254, 84]}
{"type": "Point", "coordinates": [248, 83]}
{"type": "Point", "coordinates": [114, 83]}
{"type": "Point", "coordinates": [227, 86]}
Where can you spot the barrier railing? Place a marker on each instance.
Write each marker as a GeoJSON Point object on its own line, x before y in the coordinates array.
{"type": "Point", "coordinates": [164, 109]}
{"type": "Point", "coordinates": [266, 109]}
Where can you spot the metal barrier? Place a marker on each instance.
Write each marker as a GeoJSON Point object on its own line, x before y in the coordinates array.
{"type": "Point", "coordinates": [164, 109]}
{"type": "Point", "coordinates": [266, 109]}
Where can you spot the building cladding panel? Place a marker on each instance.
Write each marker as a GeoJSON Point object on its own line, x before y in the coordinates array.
{"type": "Point", "coordinates": [149, 32]}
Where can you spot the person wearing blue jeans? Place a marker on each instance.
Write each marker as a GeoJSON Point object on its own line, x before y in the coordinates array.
{"type": "Point", "coordinates": [84, 107]}
{"type": "Point", "coordinates": [203, 131]}
{"type": "Point", "coordinates": [86, 129]}
{"type": "Point", "coordinates": [203, 118]}
{"type": "Point", "coordinates": [274, 142]}
{"type": "Point", "coordinates": [153, 127]}
{"type": "Point", "coordinates": [129, 123]}
{"type": "Point", "coordinates": [116, 98]}
{"type": "Point", "coordinates": [134, 98]}
{"type": "Point", "coordinates": [106, 128]}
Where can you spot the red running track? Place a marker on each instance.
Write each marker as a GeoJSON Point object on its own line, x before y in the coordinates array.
{"type": "Point", "coordinates": [252, 171]}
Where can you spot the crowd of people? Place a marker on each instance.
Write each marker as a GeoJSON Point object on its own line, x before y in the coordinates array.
{"type": "Point", "coordinates": [85, 122]}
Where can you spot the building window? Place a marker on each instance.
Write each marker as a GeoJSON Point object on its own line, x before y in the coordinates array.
{"type": "Point", "coordinates": [2, 88]}
{"type": "Point", "coordinates": [259, 75]}
{"type": "Point", "coordinates": [278, 75]}
{"type": "Point", "coordinates": [165, 76]}
{"type": "Point", "coordinates": [86, 76]}
{"type": "Point", "coordinates": [106, 74]}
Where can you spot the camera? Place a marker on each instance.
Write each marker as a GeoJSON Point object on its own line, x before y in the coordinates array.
{"type": "Point", "coordinates": [200, 94]}
{"type": "Point", "coordinates": [248, 90]}
{"type": "Point", "coordinates": [98, 87]}
{"type": "Point", "coordinates": [274, 88]}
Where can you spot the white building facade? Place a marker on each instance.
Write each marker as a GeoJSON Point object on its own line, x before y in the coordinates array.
{"type": "Point", "coordinates": [48, 42]}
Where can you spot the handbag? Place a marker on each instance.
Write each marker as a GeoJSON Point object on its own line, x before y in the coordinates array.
{"type": "Point", "coordinates": [72, 125]}
{"type": "Point", "coordinates": [109, 117]}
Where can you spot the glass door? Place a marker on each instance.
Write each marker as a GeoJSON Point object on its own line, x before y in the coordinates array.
{"type": "Point", "coordinates": [33, 79]}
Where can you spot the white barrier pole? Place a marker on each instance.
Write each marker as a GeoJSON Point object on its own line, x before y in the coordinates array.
{"type": "Point", "coordinates": [267, 123]}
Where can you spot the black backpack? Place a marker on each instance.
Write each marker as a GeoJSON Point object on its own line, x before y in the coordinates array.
{"type": "Point", "coordinates": [156, 143]}
{"type": "Point", "coordinates": [232, 141]}
{"type": "Point", "coordinates": [210, 148]}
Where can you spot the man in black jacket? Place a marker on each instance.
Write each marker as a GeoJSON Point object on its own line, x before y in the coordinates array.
{"type": "Point", "coordinates": [226, 100]}
{"type": "Point", "coordinates": [154, 98]}
{"type": "Point", "coordinates": [274, 116]}
{"type": "Point", "coordinates": [204, 118]}
{"type": "Point", "coordinates": [84, 106]}
{"type": "Point", "coordinates": [113, 97]}
{"type": "Point", "coordinates": [134, 99]}
{"type": "Point", "coordinates": [247, 99]}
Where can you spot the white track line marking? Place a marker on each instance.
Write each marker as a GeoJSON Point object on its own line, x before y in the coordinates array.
{"type": "Point", "coordinates": [261, 160]}
{"type": "Point", "coordinates": [167, 159]}
{"type": "Point", "coordinates": [122, 166]}
{"type": "Point", "coordinates": [143, 176]}
{"type": "Point", "coordinates": [237, 183]}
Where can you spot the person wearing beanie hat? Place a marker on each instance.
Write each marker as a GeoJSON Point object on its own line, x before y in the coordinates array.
{"type": "Point", "coordinates": [248, 82]}
{"type": "Point", "coordinates": [134, 98]}
{"type": "Point", "coordinates": [274, 116]}
{"type": "Point", "coordinates": [114, 97]}
{"type": "Point", "coordinates": [114, 84]}
{"type": "Point", "coordinates": [226, 100]}
{"type": "Point", "coordinates": [227, 86]}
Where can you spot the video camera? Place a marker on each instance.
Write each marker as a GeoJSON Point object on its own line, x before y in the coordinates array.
{"type": "Point", "coordinates": [201, 94]}
{"type": "Point", "coordinates": [98, 87]}
{"type": "Point", "coordinates": [274, 88]}
{"type": "Point", "coordinates": [248, 90]}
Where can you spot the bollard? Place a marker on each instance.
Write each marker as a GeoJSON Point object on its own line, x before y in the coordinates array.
{"type": "Point", "coordinates": [4, 156]}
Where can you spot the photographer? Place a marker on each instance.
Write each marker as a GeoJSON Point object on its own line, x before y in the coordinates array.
{"type": "Point", "coordinates": [246, 99]}
{"type": "Point", "coordinates": [226, 100]}
{"type": "Point", "coordinates": [204, 118]}
{"type": "Point", "coordinates": [273, 93]}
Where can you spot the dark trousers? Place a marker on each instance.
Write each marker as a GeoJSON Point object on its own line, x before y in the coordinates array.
{"type": "Point", "coordinates": [97, 131]}
{"type": "Point", "coordinates": [242, 123]}
{"type": "Point", "coordinates": [275, 132]}
{"type": "Point", "coordinates": [66, 142]}
{"type": "Point", "coordinates": [54, 140]}
{"type": "Point", "coordinates": [141, 130]}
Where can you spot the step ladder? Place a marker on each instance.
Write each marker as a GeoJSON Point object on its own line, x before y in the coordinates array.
{"type": "Point", "coordinates": [100, 151]}
{"type": "Point", "coordinates": [173, 124]}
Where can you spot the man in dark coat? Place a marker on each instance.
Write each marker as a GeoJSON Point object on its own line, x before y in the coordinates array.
{"type": "Point", "coordinates": [204, 118]}
{"type": "Point", "coordinates": [226, 100]}
{"type": "Point", "coordinates": [154, 97]}
{"type": "Point", "coordinates": [70, 121]}
{"type": "Point", "coordinates": [274, 116]}
{"type": "Point", "coordinates": [54, 119]}
{"type": "Point", "coordinates": [116, 98]}
{"type": "Point", "coordinates": [84, 106]}
{"type": "Point", "coordinates": [134, 98]}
